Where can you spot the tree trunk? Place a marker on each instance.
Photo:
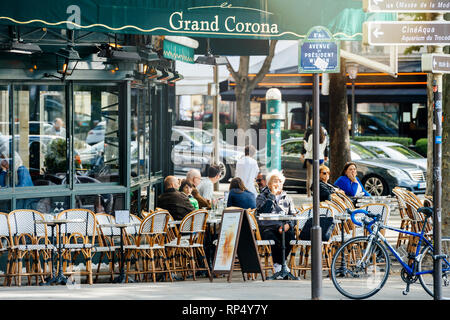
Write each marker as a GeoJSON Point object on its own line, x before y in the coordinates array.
{"type": "Point", "coordinates": [446, 156]}
{"type": "Point", "coordinates": [339, 132]}
{"type": "Point", "coordinates": [243, 109]}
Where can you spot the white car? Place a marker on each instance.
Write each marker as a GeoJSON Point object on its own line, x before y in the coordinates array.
{"type": "Point", "coordinates": [396, 151]}
{"type": "Point", "coordinates": [97, 133]}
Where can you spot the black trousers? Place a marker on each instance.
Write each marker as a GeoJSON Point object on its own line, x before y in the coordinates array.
{"type": "Point", "coordinates": [277, 251]}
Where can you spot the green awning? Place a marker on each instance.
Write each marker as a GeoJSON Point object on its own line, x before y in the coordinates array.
{"type": "Point", "coordinates": [175, 51]}
{"type": "Point", "coordinates": [244, 19]}
{"type": "Point", "coordinates": [348, 24]}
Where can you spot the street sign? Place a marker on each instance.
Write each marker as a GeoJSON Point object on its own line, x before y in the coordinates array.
{"type": "Point", "coordinates": [406, 33]}
{"type": "Point", "coordinates": [319, 52]}
{"type": "Point", "coordinates": [406, 5]}
{"type": "Point", "coordinates": [436, 63]}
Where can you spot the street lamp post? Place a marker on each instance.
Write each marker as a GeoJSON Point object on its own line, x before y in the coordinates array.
{"type": "Point", "coordinates": [273, 117]}
{"type": "Point", "coordinates": [352, 70]}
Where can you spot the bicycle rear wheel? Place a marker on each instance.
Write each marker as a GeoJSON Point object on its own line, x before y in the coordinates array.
{"type": "Point", "coordinates": [357, 279]}
{"type": "Point", "coordinates": [425, 270]}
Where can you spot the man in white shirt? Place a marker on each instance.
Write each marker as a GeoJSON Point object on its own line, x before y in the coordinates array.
{"type": "Point", "coordinates": [247, 169]}
{"type": "Point", "coordinates": [206, 187]}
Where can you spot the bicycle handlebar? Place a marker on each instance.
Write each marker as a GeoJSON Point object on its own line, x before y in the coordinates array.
{"type": "Point", "coordinates": [374, 216]}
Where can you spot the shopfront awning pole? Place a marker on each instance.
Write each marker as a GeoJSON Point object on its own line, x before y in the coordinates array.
{"type": "Point", "coordinates": [216, 120]}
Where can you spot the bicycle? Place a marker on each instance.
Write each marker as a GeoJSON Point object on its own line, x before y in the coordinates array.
{"type": "Point", "coordinates": [360, 267]}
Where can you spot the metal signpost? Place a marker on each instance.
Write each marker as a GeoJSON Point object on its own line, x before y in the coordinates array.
{"type": "Point", "coordinates": [406, 5]}
{"type": "Point", "coordinates": [383, 33]}
{"type": "Point", "coordinates": [318, 53]}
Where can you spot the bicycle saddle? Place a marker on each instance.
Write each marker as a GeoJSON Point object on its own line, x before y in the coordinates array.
{"type": "Point", "coordinates": [427, 211]}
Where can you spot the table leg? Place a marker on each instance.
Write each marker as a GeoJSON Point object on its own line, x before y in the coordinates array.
{"type": "Point", "coordinates": [121, 278]}
{"type": "Point", "coordinates": [51, 279]}
{"type": "Point", "coordinates": [283, 274]}
{"type": "Point", "coordinates": [343, 269]}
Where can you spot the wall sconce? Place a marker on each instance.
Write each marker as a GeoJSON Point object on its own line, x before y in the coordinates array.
{"type": "Point", "coordinates": [65, 57]}
{"type": "Point", "coordinates": [112, 52]}
{"type": "Point", "coordinates": [176, 77]}
{"type": "Point", "coordinates": [165, 75]}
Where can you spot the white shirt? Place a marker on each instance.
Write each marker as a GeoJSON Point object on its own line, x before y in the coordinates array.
{"type": "Point", "coordinates": [247, 169]}
{"type": "Point", "coordinates": [206, 189]}
{"type": "Point", "coordinates": [309, 148]}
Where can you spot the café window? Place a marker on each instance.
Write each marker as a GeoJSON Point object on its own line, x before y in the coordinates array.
{"type": "Point", "coordinates": [40, 146]}
{"type": "Point", "coordinates": [96, 134]}
{"type": "Point", "coordinates": [101, 203]}
{"type": "Point", "coordinates": [50, 205]}
{"type": "Point", "coordinates": [140, 134]}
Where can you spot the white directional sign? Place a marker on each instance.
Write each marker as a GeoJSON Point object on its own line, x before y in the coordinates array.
{"type": "Point", "coordinates": [406, 33]}
{"type": "Point", "coordinates": [406, 5]}
{"type": "Point", "coordinates": [436, 63]}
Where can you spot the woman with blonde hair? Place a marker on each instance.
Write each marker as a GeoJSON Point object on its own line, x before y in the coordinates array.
{"type": "Point", "coordinates": [274, 200]}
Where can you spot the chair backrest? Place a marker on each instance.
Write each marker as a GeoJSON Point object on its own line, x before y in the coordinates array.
{"type": "Point", "coordinates": [194, 221]}
{"type": "Point", "coordinates": [378, 208]}
{"type": "Point", "coordinates": [23, 221]}
{"type": "Point", "coordinates": [86, 229]}
{"type": "Point", "coordinates": [254, 224]}
{"type": "Point", "coordinates": [104, 218]}
{"type": "Point", "coordinates": [133, 230]}
{"type": "Point", "coordinates": [155, 222]}
{"type": "Point", "coordinates": [5, 234]}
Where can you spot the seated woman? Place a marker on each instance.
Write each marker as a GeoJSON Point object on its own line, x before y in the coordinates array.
{"type": "Point", "coordinates": [325, 189]}
{"type": "Point", "coordinates": [239, 196]}
{"type": "Point", "coordinates": [22, 175]}
{"type": "Point", "coordinates": [349, 182]}
{"type": "Point", "coordinates": [273, 199]}
{"type": "Point", "coordinates": [186, 187]}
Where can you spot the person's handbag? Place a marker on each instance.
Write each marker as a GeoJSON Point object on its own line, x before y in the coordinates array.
{"type": "Point", "coordinates": [326, 224]}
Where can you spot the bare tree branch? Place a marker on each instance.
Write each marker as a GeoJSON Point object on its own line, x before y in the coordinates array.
{"type": "Point", "coordinates": [265, 67]}
{"type": "Point", "coordinates": [234, 74]}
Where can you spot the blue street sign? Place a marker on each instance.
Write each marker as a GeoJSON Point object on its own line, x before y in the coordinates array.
{"type": "Point", "coordinates": [319, 52]}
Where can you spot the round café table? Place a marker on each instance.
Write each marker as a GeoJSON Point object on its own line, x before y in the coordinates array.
{"type": "Point", "coordinates": [60, 278]}
{"type": "Point", "coordinates": [121, 226]}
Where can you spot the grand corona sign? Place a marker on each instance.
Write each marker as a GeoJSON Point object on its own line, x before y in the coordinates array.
{"type": "Point", "coordinates": [229, 24]}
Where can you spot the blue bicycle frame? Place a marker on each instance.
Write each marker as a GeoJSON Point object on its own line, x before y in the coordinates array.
{"type": "Point", "coordinates": [378, 235]}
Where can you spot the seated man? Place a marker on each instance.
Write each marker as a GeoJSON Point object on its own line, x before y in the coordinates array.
{"type": "Point", "coordinates": [174, 201]}
{"type": "Point", "coordinates": [195, 178]}
{"type": "Point", "coordinates": [206, 187]}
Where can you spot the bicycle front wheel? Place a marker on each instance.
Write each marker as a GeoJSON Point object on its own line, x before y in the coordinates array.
{"type": "Point", "coordinates": [359, 271]}
{"type": "Point", "coordinates": [425, 271]}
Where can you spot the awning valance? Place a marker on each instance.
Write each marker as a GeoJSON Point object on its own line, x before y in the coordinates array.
{"type": "Point", "coordinates": [244, 19]}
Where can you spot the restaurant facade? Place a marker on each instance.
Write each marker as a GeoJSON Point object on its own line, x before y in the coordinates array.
{"type": "Point", "coordinates": [87, 92]}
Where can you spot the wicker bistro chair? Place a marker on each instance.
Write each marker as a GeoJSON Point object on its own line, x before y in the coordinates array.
{"type": "Point", "coordinates": [405, 223]}
{"type": "Point", "coordinates": [108, 241]}
{"type": "Point", "coordinates": [30, 244]}
{"type": "Point", "coordinates": [302, 263]}
{"type": "Point", "coordinates": [150, 245]}
{"type": "Point", "coordinates": [184, 251]}
{"type": "Point", "coordinates": [264, 246]}
{"type": "Point", "coordinates": [6, 244]}
{"type": "Point", "coordinates": [78, 239]}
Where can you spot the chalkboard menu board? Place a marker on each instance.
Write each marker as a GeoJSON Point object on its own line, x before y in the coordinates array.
{"type": "Point", "coordinates": [236, 238]}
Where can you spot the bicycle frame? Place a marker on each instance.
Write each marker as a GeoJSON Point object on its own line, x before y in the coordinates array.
{"type": "Point", "coordinates": [410, 269]}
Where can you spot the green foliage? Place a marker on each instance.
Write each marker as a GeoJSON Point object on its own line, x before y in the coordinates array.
{"type": "Point", "coordinates": [285, 134]}
{"type": "Point", "coordinates": [55, 157]}
{"type": "Point", "coordinates": [421, 146]}
{"type": "Point", "coordinates": [402, 140]}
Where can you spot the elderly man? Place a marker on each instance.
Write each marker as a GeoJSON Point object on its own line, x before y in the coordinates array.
{"type": "Point", "coordinates": [174, 201]}
{"type": "Point", "coordinates": [57, 129]}
{"type": "Point", "coordinates": [195, 178]}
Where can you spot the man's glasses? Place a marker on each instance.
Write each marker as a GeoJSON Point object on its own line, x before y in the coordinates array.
{"type": "Point", "coordinates": [324, 172]}
{"type": "Point", "coordinates": [259, 180]}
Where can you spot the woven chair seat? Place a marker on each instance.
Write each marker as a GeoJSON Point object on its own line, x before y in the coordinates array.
{"type": "Point", "coordinates": [105, 249]}
{"type": "Point", "coordinates": [184, 243]}
{"type": "Point", "coordinates": [25, 247]}
{"type": "Point", "coordinates": [265, 242]}
{"type": "Point", "coordinates": [305, 242]}
{"type": "Point", "coordinates": [143, 247]}
{"type": "Point", "coordinates": [338, 238]}
{"type": "Point", "coordinates": [77, 246]}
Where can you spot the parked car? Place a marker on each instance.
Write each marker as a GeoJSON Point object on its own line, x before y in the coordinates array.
{"type": "Point", "coordinates": [393, 150]}
{"type": "Point", "coordinates": [96, 134]}
{"type": "Point", "coordinates": [378, 175]}
{"type": "Point", "coordinates": [193, 149]}
{"type": "Point", "coordinates": [208, 117]}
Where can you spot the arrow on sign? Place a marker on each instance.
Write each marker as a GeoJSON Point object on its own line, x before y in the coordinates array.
{"type": "Point", "coordinates": [377, 1]}
{"type": "Point", "coordinates": [434, 63]}
{"type": "Point", "coordinates": [377, 33]}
